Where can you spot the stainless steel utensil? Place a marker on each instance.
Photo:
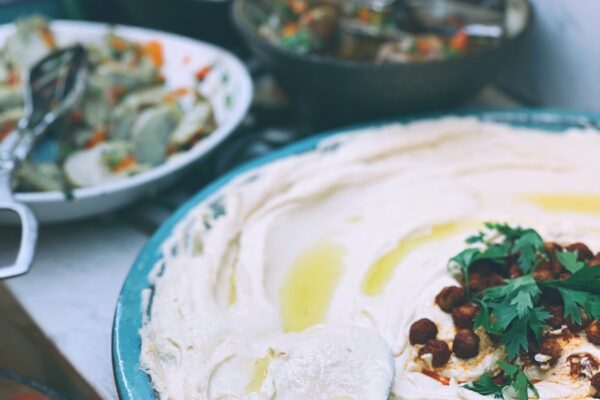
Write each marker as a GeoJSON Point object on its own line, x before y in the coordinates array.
{"type": "Point", "coordinates": [52, 87]}
{"type": "Point", "coordinates": [482, 19]}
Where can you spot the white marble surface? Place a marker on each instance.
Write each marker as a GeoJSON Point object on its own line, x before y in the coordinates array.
{"type": "Point", "coordinates": [72, 289]}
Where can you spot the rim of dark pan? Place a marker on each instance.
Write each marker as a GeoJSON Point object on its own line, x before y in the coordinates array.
{"type": "Point", "coordinates": [249, 32]}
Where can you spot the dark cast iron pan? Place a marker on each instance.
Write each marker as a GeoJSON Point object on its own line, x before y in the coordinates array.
{"type": "Point", "coordinates": [341, 91]}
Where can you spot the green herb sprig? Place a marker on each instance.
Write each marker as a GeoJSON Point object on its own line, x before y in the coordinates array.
{"type": "Point", "coordinates": [515, 377]}
{"type": "Point", "coordinates": [513, 312]}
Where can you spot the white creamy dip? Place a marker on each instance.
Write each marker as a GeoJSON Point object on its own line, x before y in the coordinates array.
{"type": "Point", "coordinates": [300, 280]}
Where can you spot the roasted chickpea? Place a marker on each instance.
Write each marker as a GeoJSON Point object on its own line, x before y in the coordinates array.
{"type": "Point", "coordinates": [582, 365]}
{"type": "Point", "coordinates": [594, 261]}
{"type": "Point", "coordinates": [593, 332]}
{"type": "Point", "coordinates": [550, 297]}
{"type": "Point", "coordinates": [439, 350]}
{"type": "Point", "coordinates": [547, 353]}
{"type": "Point", "coordinates": [494, 280]}
{"type": "Point", "coordinates": [515, 271]}
{"type": "Point", "coordinates": [477, 282]}
{"type": "Point", "coordinates": [543, 275]}
{"type": "Point", "coordinates": [450, 297]}
{"type": "Point", "coordinates": [584, 252]}
{"type": "Point", "coordinates": [464, 315]}
{"type": "Point", "coordinates": [552, 247]}
{"type": "Point", "coordinates": [422, 331]}
{"type": "Point", "coordinates": [553, 267]}
{"type": "Point", "coordinates": [564, 276]}
{"type": "Point", "coordinates": [466, 344]}
{"type": "Point", "coordinates": [556, 319]}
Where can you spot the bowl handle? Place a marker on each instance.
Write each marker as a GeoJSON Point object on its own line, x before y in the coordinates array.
{"type": "Point", "coordinates": [29, 226]}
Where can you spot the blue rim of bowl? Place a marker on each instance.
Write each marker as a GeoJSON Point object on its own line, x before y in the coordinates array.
{"type": "Point", "coordinates": [132, 382]}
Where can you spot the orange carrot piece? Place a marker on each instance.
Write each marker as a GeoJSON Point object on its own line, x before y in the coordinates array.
{"type": "Point", "coordinates": [364, 14]}
{"type": "Point", "coordinates": [118, 43]}
{"type": "Point", "coordinates": [13, 78]}
{"type": "Point", "coordinates": [290, 29]}
{"type": "Point", "coordinates": [125, 164]}
{"type": "Point", "coordinates": [6, 129]}
{"type": "Point", "coordinates": [459, 41]}
{"type": "Point", "coordinates": [298, 6]}
{"type": "Point", "coordinates": [97, 137]}
{"type": "Point", "coordinates": [423, 45]}
{"type": "Point", "coordinates": [47, 38]}
{"type": "Point", "coordinates": [154, 51]}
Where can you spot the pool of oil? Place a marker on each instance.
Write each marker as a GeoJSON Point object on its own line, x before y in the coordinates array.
{"type": "Point", "coordinates": [382, 270]}
{"type": "Point", "coordinates": [582, 203]}
{"type": "Point", "coordinates": [311, 282]}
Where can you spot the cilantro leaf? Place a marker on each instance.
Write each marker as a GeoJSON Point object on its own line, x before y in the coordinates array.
{"type": "Point", "coordinates": [485, 386]}
{"type": "Point", "coordinates": [568, 259]}
{"type": "Point", "coordinates": [479, 238]}
{"type": "Point", "coordinates": [465, 259]}
{"type": "Point", "coordinates": [510, 311]}
{"type": "Point", "coordinates": [522, 385]}
{"type": "Point", "coordinates": [483, 319]}
{"type": "Point", "coordinates": [506, 230]}
{"type": "Point", "coordinates": [516, 378]}
{"type": "Point", "coordinates": [586, 280]}
{"type": "Point", "coordinates": [528, 245]}
{"type": "Point", "coordinates": [515, 338]}
{"type": "Point", "coordinates": [509, 369]}
{"type": "Point", "coordinates": [572, 300]}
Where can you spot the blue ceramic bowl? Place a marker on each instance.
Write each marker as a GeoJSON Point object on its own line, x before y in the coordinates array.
{"type": "Point", "coordinates": [132, 382]}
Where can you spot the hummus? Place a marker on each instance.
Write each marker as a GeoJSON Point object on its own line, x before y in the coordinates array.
{"type": "Point", "coordinates": [300, 279]}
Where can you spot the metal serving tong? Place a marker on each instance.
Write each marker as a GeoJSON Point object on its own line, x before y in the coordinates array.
{"type": "Point", "coordinates": [52, 87]}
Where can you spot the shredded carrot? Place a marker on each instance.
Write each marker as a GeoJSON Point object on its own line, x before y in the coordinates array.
{"type": "Point", "coordinates": [6, 129]}
{"type": "Point", "coordinates": [154, 51]}
{"type": "Point", "coordinates": [115, 93]}
{"type": "Point", "coordinates": [364, 14]}
{"type": "Point", "coordinates": [459, 41]}
{"type": "Point", "coordinates": [298, 6]}
{"type": "Point", "coordinates": [203, 72]}
{"type": "Point", "coordinates": [47, 38]}
{"type": "Point", "coordinates": [172, 96]}
{"type": "Point", "coordinates": [423, 45]}
{"type": "Point", "coordinates": [13, 78]}
{"type": "Point", "coordinates": [125, 164]}
{"type": "Point", "coordinates": [118, 43]}
{"type": "Point", "coordinates": [182, 91]}
{"type": "Point", "coordinates": [97, 137]}
{"type": "Point", "coordinates": [290, 29]}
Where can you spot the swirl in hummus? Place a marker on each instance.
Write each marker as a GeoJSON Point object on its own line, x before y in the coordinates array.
{"type": "Point", "coordinates": [301, 279]}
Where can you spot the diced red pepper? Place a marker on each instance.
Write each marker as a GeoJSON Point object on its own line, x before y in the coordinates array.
{"type": "Point", "coordinates": [203, 72]}
{"type": "Point", "coordinates": [459, 41]}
